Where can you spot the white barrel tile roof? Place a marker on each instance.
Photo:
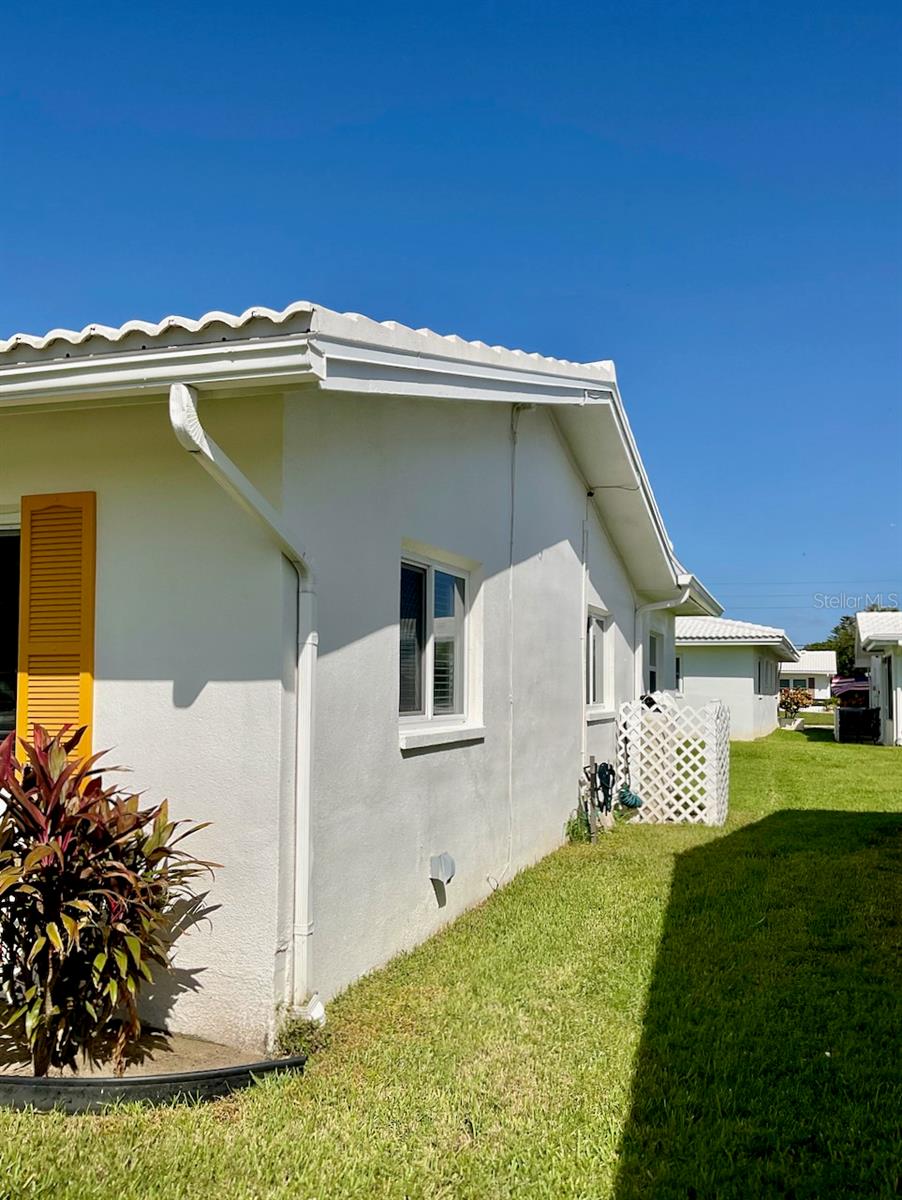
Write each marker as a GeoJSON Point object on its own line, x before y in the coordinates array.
{"type": "Point", "coordinates": [814, 662]}
{"type": "Point", "coordinates": [879, 626]}
{"type": "Point", "coordinates": [725, 629]}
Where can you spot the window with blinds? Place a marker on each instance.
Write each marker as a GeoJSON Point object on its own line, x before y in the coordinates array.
{"type": "Point", "coordinates": [432, 641]}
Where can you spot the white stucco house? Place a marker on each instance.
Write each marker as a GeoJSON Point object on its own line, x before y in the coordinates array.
{"type": "Point", "coordinates": [360, 595]}
{"type": "Point", "coordinates": [878, 646]}
{"type": "Point", "coordinates": [737, 662]}
{"type": "Point", "coordinates": [813, 671]}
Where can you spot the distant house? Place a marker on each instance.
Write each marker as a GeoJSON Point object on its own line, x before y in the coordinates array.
{"type": "Point", "coordinates": [813, 672]}
{"type": "Point", "coordinates": [736, 662]}
{"type": "Point", "coordinates": [454, 546]}
{"type": "Point", "coordinates": [878, 646]}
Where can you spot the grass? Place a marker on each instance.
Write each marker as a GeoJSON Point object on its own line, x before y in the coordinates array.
{"type": "Point", "coordinates": [817, 718]}
{"type": "Point", "coordinates": [674, 1012]}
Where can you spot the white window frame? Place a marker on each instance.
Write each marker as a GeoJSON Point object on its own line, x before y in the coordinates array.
{"type": "Point", "coordinates": [429, 728]}
{"type": "Point", "coordinates": [596, 708]}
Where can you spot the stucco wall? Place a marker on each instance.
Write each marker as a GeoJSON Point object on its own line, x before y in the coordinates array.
{"type": "Point", "coordinates": [890, 722]}
{"type": "Point", "coordinates": [728, 673]}
{"type": "Point", "coordinates": [188, 665]}
{"type": "Point", "coordinates": [365, 475]}
{"type": "Point", "coordinates": [194, 662]}
{"type": "Point", "coordinates": [821, 689]}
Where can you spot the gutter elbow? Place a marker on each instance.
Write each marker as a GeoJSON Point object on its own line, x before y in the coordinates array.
{"type": "Point", "coordinates": [184, 419]}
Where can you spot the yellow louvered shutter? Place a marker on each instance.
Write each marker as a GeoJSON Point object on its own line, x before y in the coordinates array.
{"type": "Point", "coordinates": [56, 614]}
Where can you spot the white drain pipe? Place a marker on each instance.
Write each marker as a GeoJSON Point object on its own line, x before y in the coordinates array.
{"type": "Point", "coordinates": [639, 643]}
{"type": "Point", "coordinates": [193, 437]}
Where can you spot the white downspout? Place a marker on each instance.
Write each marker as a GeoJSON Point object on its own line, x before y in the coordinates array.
{"type": "Point", "coordinates": [193, 437]}
{"type": "Point", "coordinates": [583, 636]}
{"type": "Point", "coordinates": [639, 644]}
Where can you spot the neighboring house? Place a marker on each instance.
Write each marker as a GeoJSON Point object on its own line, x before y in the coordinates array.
{"type": "Point", "coordinates": [813, 672]}
{"type": "Point", "coordinates": [736, 662]}
{"type": "Point", "coordinates": [878, 646]}
{"type": "Point", "coordinates": [454, 547]}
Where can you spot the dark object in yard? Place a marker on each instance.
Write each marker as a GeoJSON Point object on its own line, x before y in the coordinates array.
{"type": "Point", "coordinates": [606, 785]}
{"type": "Point", "coordinates": [627, 798]}
{"type": "Point", "coordinates": [858, 724]}
{"type": "Point", "coordinates": [72, 1094]}
{"type": "Point", "coordinates": [598, 800]}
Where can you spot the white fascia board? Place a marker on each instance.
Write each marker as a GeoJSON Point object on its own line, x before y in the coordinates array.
{"type": "Point", "coordinates": [226, 364]}
{"type": "Point", "coordinates": [778, 644]}
{"type": "Point", "coordinates": [873, 645]}
{"type": "Point", "coordinates": [352, 366]}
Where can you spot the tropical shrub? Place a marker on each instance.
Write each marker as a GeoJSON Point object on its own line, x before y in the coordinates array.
{"type": "Point", "coordinates": [89, 887]}
{"type": "Point", "coordinates": [792, 699]}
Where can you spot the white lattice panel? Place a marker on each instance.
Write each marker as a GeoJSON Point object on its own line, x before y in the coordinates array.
{"type": "Point", "coordinates": [677, 758]}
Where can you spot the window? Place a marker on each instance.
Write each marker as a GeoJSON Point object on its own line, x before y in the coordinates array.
{"type": "Point", "coordinates": [800, 683]}
{"type": "Point", "coordinates": [678, 673]}
{"type": "Point", "coordinates": [654, 659]}
{"type": "Point", "coordinates": [596, 662]}
{"type": "Point", "coordinates": [432, 658]}
{"type": "Point", "coordinates": [784, 682]}
{"type": "Point", "coordinates": [888, 675]}
{"type": "Point", "coordinates": [9, 627]}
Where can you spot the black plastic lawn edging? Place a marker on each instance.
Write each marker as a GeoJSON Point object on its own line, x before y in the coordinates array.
{"type": "Point", "coordinates": [72, 1094]}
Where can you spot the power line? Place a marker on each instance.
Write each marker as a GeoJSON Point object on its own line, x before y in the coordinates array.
{"type": "Point", "coordinates": [737, 599]}
{"type": "Point", "coordinates": [850, 583]}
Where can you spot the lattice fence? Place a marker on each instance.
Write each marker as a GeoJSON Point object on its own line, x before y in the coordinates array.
{"type": "Point", "coordinates": [677, 758]}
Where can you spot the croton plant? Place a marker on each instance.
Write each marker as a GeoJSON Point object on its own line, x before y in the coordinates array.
{"type": "Point", "coordinates": [792, 699]}
{"type": "Point", "coordinates": [90, 888]}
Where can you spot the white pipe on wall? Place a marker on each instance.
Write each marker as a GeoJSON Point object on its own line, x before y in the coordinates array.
{"type": "Point", "coordinates": [638, 640]}
{"type": "Point", "coordinates": [193, 437]}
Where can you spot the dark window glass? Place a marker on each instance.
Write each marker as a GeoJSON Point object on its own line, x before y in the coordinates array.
{"type": "Point", "coordinates": [9, 628]}
{"type": "Point", "coordinates": [413, 637]}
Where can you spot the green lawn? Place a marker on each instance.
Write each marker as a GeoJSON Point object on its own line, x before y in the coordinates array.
{"type": "Point", "coordinates": [676, 1012]}
{"type": "Point", "coordinates": [817, 718]}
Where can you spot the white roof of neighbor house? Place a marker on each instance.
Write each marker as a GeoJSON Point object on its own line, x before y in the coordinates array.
{"type": "Point", "coordinates": [725, 631]}
{"type": "Point", "coordinates": [879, 628]}
{"type": "Point", "coordinates": [814, 662]}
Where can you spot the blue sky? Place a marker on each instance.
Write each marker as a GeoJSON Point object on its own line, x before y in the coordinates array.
{"type": "Point", "coordinates": [710, 194]}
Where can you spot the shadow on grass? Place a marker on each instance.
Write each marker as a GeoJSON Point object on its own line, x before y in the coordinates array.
{"type": "Point", "coordinates": [819, 733]}
{"type": "Point", "coordinates": [769, 1061]}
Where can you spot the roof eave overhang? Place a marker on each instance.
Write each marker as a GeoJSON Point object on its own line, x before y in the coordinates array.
{"type": "Point", "coordinates": [133, 375]}
{"type": "Point", "coordinates": [786, 648]}
{"type": "Point", "coordinates": [874, 645]}
{"type": "Point", "coordinates": [584, 401]}
{"type": "Point", "coordinates": [699, 601]}
{"type": "Point", "coordinates": [587, 410]}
